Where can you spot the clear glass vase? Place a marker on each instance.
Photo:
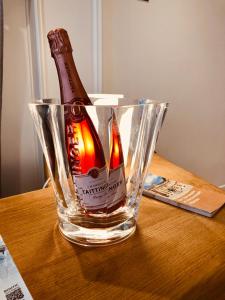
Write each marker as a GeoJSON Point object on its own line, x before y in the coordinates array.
{"type": "Point", "coordinates": [97, 158]}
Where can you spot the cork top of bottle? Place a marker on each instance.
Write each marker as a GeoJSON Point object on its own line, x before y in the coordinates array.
{"type": "Point", "coordinates": [59, 41]}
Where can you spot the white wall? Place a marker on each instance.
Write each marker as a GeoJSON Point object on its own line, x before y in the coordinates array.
{"type": "Point", "coordinates": [169, 50]}
{"type": "Point", "coordinates": [29, 73]}
{"type": "Point", "coordinates": [173, 50]}
{"type": "Point", "coordinates": [20, 160]}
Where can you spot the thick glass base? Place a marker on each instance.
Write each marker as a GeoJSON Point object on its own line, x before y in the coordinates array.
{"type": "Point", "coordinates": [92, 237]}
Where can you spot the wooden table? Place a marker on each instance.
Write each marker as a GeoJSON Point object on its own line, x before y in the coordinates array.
{"type": "Point", "coordinates": [174, 254]}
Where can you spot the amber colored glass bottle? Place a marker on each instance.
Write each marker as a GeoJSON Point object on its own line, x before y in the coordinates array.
{"type": "Point", "coordinates": [84, 149]}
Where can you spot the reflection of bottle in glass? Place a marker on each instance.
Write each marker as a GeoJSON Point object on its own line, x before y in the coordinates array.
{"type": "Point", "coordinates": [85, 153]}
{"type": "Point", "coordinates": [116, 173]}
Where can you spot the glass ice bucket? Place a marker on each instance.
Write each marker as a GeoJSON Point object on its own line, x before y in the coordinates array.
{"type": "Point", "coordinates": [97, 158]}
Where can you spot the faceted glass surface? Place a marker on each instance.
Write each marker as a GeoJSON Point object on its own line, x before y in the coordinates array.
{"type": "Point", "coordinates": [98, 157]}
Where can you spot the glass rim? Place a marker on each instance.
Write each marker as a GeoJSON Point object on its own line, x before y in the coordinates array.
{"type": "Point", "coordinates": [115, 106]}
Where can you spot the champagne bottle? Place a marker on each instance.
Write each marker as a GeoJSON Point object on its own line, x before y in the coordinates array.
{"type": "Point", "coordinates": [85, 153]}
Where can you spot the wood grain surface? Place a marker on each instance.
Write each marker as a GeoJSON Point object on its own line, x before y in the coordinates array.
{"type": "Point", "coordinates": [174, 254]}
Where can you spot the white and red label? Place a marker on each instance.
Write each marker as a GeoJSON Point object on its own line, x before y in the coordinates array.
{"type": "Point", "coordinates": [105, 190]}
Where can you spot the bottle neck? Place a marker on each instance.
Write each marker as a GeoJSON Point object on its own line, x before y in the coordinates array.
{"type": "Point", "coordinates": [71, 88]}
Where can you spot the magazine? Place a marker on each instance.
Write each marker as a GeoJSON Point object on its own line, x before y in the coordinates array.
{"type": "Point", "coordinates": [202, 201]}
{"type": "Point", "coordinates": [12, 285]}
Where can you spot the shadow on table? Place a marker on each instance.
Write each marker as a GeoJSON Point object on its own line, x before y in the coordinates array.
{"type": "Point", "coordinates": [211, 288]}
{"type": "Point", "coordinates": [126, 265]}
{"type": "Point", "coordinates": [220, 216]}
{"type": "Point", "coordinates": [130, 265]}
{"type": "Point", "coordinates": [153, 264]}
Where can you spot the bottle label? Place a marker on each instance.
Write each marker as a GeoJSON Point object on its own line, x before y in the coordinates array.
{"type": "Point", "coordinates": [101, 191]}
{"type": "Point", "coordinates": [117, 186]}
